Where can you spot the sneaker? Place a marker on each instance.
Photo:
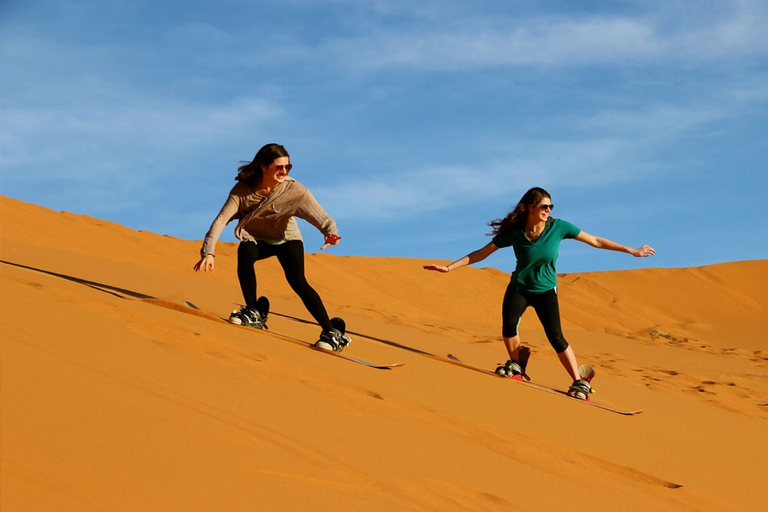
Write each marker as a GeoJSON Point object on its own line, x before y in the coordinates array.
{"type": "Point", "coordinates": [580, 389]}
{"type": "Point", "coordinates": [332, 339]}
{"type": "Point", "coordinates": [247, 317]}
{"type": "Point", "coordinates": [510, 370]}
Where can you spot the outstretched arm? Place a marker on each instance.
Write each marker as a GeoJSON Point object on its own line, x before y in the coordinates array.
{"type": "Point", "coordinates": [473, 257]}
{"type": "Point", "coordinates": [604, 243]}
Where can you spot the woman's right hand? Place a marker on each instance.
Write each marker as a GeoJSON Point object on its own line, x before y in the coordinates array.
{"type": "Point", "coordinates": [205, 264]}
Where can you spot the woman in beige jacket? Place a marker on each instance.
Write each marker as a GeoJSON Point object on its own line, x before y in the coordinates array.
{"type": "Point", "coordinates": [265, 201]}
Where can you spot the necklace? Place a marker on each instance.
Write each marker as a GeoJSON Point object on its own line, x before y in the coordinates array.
{"type": "Point", "coordinates": [532, 235]}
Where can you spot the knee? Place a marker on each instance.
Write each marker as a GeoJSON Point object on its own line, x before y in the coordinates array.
{"type": "Point", "coordinates": [509, 330]}
{"type": "Point", "coordinates": [559, 344]}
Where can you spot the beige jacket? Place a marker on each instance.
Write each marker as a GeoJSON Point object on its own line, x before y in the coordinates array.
{"type": "Point", "coordinates": [269, 218]}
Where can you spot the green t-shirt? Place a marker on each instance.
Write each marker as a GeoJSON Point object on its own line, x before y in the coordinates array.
{"type": "Point", "coordinates": [535, 271]}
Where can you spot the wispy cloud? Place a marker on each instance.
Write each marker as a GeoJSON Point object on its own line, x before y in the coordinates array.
{"type": "Point", "coordinates": [405, 194]}
{"type": "Point", "coordinates": [57, 133]}
{"type": "Point", "coordinates": [63, 101]}
{"type": "Point", "coordinates": [476, 43]}
{"type": "Point", "coordinates": [607, 148]}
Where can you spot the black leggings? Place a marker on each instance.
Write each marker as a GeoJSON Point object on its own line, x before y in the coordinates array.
{"type": "Point", "coordinates": [290, 254]}
{"type": "Point", "coordinates": [547, 308]}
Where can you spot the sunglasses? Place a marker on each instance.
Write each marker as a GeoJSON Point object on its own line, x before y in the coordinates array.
{"type": "Point", "coordinates": [287, 167]}
{"type": "Point", "coordinates": [547, 207]}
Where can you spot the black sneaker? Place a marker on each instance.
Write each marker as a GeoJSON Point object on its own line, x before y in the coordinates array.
{"type": "Point", "coordinates": [580, 389]}
{"type": "Point", "coordinates": [247, 317]}
{"type": "Point", "coordinates": [511, 370]}
{"type": "Point", "coordinates": [334, 339]}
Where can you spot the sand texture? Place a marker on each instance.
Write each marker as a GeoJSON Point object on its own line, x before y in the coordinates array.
{"type": "Point", "coordinates": [117, 397]}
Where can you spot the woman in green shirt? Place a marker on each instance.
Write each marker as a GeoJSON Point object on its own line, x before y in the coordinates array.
{"type": "Point", "coordinates": [535, 237]}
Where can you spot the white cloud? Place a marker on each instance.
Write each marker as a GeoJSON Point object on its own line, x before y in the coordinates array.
{"type": "Point", "coordinates": [653, 122]}
{"type": "Point", "coordinates": [55, 133]}
{"type": "Point", "coordinates": [478, 43]}
{"type": "Point", "coordinates": [607, 148]}
{"type": "Point", "coordinates": [199, 33]}
{"type": "Point", "coordinates": [514, 167]}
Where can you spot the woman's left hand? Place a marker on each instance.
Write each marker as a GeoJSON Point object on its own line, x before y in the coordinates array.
{"type": "Point", "coordinates": [330, 239]}
{"type": "Point", "coordinates": [644, 251]}
{"type": "Point", "coordinates": [205, 264]}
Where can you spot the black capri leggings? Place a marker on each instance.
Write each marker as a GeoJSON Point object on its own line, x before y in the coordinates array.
{"type": "Point", "coordinates": [290, 254]}
{"type": "Point", "coordinates": [547, 308]}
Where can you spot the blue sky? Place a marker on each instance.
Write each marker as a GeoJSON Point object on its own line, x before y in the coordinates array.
{"type": "Point", "coordinates": [414, 123]}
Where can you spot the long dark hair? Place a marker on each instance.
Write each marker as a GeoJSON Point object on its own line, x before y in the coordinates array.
{"type": "Point", "coordinates": [517, 217]}
{"type": "Point", "coordinates": [252, 171]}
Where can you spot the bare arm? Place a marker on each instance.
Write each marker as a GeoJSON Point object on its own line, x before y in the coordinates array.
{"type": "Point", "coordinates": [604, 243]}
{"type": "Point", "coordinates": [469, 259]}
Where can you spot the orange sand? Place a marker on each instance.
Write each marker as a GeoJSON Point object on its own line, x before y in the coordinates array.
{"type": "Point", "coordinates": [114, 403]}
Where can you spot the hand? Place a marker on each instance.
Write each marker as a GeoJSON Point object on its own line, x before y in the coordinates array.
{"type": "Point", "coordinates": [437, 268]}
{"type": "Point", "coordinates": [330, 239]}
{"type": "Point", "coordinates": [644, 251]}
{"type": "Point", "coordinates": [205, 264]}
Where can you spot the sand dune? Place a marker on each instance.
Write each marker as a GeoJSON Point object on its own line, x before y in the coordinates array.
{"type": "Point", "coordinates": [117, 397]}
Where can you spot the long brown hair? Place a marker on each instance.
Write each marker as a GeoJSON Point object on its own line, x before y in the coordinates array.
{"type": "Point", "coordinates": [517, 217]}
{"type": "Point", "coordinates": [252, 171]}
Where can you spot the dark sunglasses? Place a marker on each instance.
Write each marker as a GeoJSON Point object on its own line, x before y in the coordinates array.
{"type": "Point", "coordinates": [547, 207]}
{"type": "Point", "coordinates": [287, 167]}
